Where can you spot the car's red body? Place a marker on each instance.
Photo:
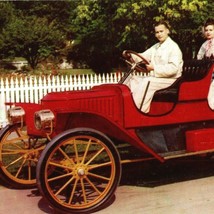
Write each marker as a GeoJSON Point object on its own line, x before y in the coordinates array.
{"type": "Point", "coordinates": [167, 131]}
{"type": "Point", "coordinates": [110, 109]}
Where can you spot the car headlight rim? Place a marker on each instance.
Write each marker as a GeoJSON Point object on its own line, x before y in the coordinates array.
{"type": "Point", "coordinates": [16, 115]}
{"type": "Point", "coordinates": [44, 120]}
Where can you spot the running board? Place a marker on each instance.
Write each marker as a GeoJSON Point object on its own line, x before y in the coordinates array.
{"type": "Point", "coordinates": [168, 155]}
{"type": "Point", "coordinates": [183, 153]}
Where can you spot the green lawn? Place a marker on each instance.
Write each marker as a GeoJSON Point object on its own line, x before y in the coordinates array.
{"type": "Point", "coordinates": [76, 71]}
{"type": "Point", "coordinates": [4, 72]}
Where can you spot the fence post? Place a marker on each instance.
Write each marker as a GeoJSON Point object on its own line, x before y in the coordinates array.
{"type": "Point", "coordinates": [3, 116]}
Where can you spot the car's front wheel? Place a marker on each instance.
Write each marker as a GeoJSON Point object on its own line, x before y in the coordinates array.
{"type": "Point", "coordinates": [79, 171]}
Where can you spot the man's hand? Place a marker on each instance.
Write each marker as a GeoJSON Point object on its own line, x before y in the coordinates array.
{"type": "Point", "coordinates": [149, 67]}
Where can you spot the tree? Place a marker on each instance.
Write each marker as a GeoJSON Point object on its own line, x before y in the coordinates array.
{"type": "Point", "coordinates": [57, 12]}
{"type": "Point", "coordinates": [91, 25]}
{"type": "Point", "coordinates": [32, 34]}
{"type": "Point", "coordinates": [32, 38]}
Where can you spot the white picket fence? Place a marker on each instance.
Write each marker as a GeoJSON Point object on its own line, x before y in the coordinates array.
{"type": "Point", "coordinates": [30, 89]}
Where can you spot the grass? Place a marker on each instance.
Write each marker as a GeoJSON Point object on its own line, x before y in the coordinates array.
{"type": "Point", "coordinates": [76, 71]}
{"type": "Point", "coordinates": [47, 72]}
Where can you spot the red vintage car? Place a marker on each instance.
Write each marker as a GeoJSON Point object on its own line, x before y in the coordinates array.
{"type": "Point", "coordinates": [70, 144]}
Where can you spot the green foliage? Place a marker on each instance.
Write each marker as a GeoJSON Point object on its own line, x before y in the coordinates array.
{"type": "Point", "coordinates": [32, 38]}
{"type": "Point", "coordinates": [6, 13]}
{"type": "Point", "coordinates": [91, 23]}
{"type": "Point", "coordinates": [99, 29]}
{"type": "Point", "coordinates": [33, 31]}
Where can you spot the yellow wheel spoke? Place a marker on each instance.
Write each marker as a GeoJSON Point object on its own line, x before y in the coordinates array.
{"type": "Point", "coordinates": [29, 170]}
{"type": "Point", "coordinates": [99, 176]}
{"type": "Point", "coordinates": [59, 165]}
{"type": "Point", "coordinates": [12, 152]}
{"type": "Point", "coordinates": [20, 151]}
{"type": "Point", "coordinates": [76, 152]}
{"type": "Point", "coordinates": [83, 190]}
{"type": "Point", "coordinates": [13, 143]}
{"type": "Point", "coordinates": [15, 161]}
{"type": "Point", "coordinates": [100, 151]}
{"type": "Point", "coordinates": [66, 156]}
{"type": "Point", "coordinates": [40, 148]}
{"type": "Point", "coordinates": [94, 166]}
{"type": "Point", "coordinates": [86, 151]}
{"type": "Point", "coordinates": [59, 177]}
{"type": "Point", "coordinates": [20, 168]}
{"type": "Point", "coordinates": [64, 186]}
{"type": "Point", "coordinates": [93, 186]}
{"type": "Point", "coordinates": [73, 191]}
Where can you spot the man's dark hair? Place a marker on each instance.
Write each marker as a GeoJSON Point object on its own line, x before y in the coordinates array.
{"type": "Point", "coordinates": [162, 22]}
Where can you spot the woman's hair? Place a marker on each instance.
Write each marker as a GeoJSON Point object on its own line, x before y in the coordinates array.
{"type": "Point", "coordinates": [209, 21]}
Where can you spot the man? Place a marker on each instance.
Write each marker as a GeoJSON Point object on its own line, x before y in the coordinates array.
{"type": "Point", "coordinates": [165, 60]}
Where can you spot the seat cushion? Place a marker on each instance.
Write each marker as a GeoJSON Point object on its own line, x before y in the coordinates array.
{"type": "Point", "coordinates": [167, 95]}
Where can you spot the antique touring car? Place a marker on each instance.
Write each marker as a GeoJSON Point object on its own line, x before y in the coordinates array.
{"type": "Point", "coordinates": [69, 143]}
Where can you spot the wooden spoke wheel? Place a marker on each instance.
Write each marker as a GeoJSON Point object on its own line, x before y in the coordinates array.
{"type": "Point", "coordinates": [18, 157]}
{"type": "Point", "coordinates": [79, 171]}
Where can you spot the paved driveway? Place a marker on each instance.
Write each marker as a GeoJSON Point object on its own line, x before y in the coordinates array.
{"type": "Point", "coordinates": [180, 187]}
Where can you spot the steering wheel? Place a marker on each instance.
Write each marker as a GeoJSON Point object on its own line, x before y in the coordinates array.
{"type": "Point", "coordinates": [139, 66]}
{"type": "Point", "coordinates": [129, 56]}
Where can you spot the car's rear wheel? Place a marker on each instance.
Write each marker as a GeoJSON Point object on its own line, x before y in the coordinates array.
{"type": "Point", "coordinates": [79, 171]}
{"type": "Point", "coordinates": [18, 157]}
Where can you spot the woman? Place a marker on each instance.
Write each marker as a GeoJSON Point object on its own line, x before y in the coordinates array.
{"type": "Point", "coordinates": [165, 60]}
{"type": "Point", "coordinates": [207, 51]}
{"type": "Point", "coordinates": [207, 48]}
